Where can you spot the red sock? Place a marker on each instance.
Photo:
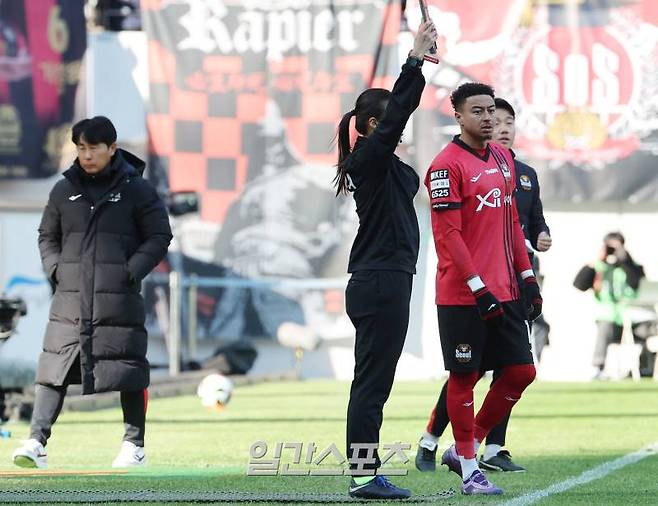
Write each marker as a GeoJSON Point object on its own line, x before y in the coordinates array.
{"type": "Point", "coordinates": [461, 412]}
{"type": "Point", "coordinates": [502, 397]}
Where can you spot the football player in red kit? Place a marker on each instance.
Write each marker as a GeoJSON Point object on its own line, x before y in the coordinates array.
{"type": "Point", "coordinates": [480, 248]}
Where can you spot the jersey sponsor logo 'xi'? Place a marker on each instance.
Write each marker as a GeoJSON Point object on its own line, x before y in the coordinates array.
{"type": "Point", "coordinates": [492, 199]}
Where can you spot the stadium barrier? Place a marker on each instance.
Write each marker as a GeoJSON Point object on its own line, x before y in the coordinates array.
{"type": "Point", "coordinates": [182, 287]}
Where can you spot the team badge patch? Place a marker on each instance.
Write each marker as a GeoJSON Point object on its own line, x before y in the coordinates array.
{"type": "Point", "coordinates": [526, 184]}
{"type": "Point", "coordinates": [463, 353]}
{"type": "Point", "coordinates": [441, 193]}
{"type": "Point", "coordinates": [439, 183]}
{"type": "Point", "coordinates": [439, 174]}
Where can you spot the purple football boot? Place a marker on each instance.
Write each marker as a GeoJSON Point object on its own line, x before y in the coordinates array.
{"type": "Point", "coordinates": [477, 484]}
{"type": "Point", "coordinates": [451, 460]}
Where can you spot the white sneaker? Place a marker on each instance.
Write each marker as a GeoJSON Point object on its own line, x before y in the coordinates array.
{"type": "Point", "coordinates": [32, 454]}
{"type": "Point", "coordinates": [130, 455]}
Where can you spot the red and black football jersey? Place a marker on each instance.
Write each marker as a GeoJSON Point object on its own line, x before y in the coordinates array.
{"type": "Point", "coordinates": [475, 222]}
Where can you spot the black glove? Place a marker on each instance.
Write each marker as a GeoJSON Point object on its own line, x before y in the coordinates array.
{"type": "Point", "coordinates": [533, 300]}
{"type": "Point", "coordinates": [488, 306]}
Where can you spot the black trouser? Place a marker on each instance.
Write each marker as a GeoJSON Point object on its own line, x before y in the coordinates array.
{"type": "Point", "coordinates": [49, 400]}
{"type": "Point", "coordinates": [440, 422]}
{"type": "Point", "coordinates": [378, 304]}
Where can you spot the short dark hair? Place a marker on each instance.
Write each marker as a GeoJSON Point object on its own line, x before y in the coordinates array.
{"type": "Point", "coordinates": [459, 96]}
{"type": "Point", "coordinates": [614, 235]}
{"type": "Point", "coordinates": [501, 103]}
{"type": "Point", "coordinates": [96, 130]}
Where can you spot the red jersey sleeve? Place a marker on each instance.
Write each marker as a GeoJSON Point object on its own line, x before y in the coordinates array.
{"type": "Point", "coordinates": [444, 187]}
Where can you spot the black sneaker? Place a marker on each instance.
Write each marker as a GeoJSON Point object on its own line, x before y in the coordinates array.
{"type": "Point", "coordinates": [502, 461]}
{"type": "Point", "coordinates": [378, 488]}
{"type": "Point", "coordinates": [426, 459]}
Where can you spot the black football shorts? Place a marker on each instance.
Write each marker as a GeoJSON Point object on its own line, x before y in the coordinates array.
{"type": "Point", "coordinates": [472, 344]}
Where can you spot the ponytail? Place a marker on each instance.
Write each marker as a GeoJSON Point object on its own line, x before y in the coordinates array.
{"type": "Point", "coordinates": [370, 104]}
{"type": "Point", "coordinates": [343, 141]}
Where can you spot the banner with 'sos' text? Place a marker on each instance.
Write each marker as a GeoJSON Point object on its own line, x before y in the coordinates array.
{"type": "Point", "coordinates": [42, 43]}
{"type": "Point", "coordinates": [582, 77]}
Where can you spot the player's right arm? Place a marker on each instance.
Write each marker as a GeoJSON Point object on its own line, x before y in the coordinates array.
{"type": "Point", "coordinates": [444, 182]}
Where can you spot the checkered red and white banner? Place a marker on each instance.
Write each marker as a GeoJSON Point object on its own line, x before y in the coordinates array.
{"type": "Point", "coordinates": [229, 79]}
{"type": "Point", "coordinates": [580, 74]}
{"type": "Point", "coordinates": [245, 97]}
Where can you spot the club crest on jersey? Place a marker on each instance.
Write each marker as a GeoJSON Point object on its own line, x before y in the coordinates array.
{"type": "Point", "coordinates": [526, 184]}
{"type": "Point", "coordinates": [463, 353]}
{"type": "Point", "coordinates": [115, 197]}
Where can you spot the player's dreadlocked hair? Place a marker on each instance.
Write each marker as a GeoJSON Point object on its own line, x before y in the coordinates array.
{"type": "Point", "coordinates": [501, 103]}
{"type": "Point", "coordinates": [459, 96]}
{"type": "Point", "coordinates": [370, 104]}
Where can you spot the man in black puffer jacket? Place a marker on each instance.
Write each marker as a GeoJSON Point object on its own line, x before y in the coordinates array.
{"type": "Point", "coordinates": [103, 230]}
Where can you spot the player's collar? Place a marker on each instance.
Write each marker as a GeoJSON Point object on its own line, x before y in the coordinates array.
{"type": "Point", "coordinates": [463, 145]}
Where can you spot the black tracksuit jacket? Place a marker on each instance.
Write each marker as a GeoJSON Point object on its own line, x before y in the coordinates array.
{"type": "Point", "coordinates": [384, 186]}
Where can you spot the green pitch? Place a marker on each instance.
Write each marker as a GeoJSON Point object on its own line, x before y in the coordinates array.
{"type": "Point", "coordinates": [558, 432]}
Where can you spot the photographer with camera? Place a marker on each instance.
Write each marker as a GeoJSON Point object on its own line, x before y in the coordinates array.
{"type": "Point", "coordinates": [614, 277]}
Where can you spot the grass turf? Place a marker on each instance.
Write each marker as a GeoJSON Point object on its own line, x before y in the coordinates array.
{"type": "Point", "coordinates": [557, 432]}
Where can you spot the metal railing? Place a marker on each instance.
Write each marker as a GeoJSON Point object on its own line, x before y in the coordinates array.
{"type": "Point", "coordinates": [178, 283]}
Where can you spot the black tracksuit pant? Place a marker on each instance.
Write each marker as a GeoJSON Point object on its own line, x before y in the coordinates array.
{"type": "Point", "coordinates": [49, 400]}
{"type": "Point", "coordinates": [378, 304]}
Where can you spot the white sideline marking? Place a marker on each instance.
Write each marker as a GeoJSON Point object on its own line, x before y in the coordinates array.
{"type": "Point", "coordinates": [591, 475]}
